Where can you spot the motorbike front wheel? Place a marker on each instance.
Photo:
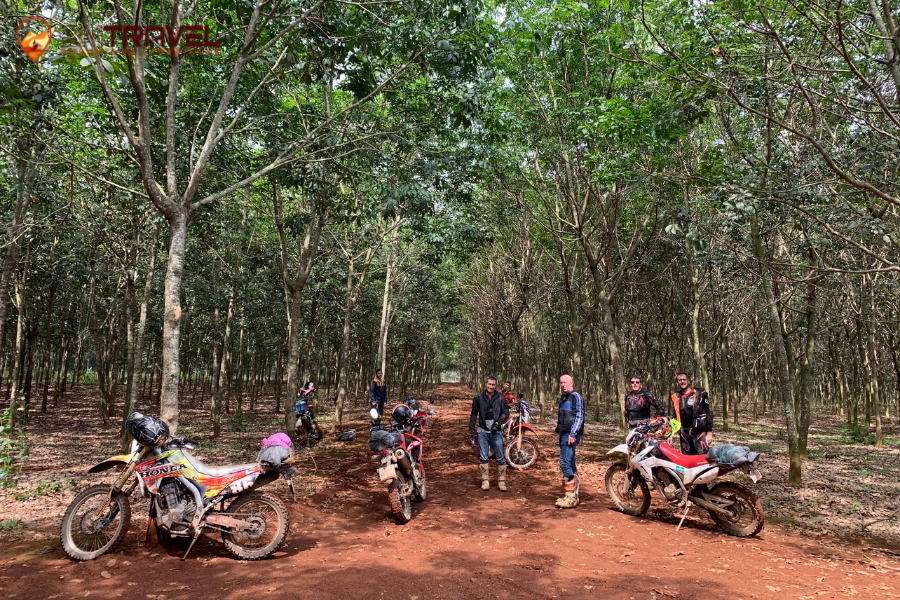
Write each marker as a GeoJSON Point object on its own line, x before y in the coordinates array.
{"type": "Point", "coordinates": [311, 433]}
{"type": "Point", "coordinates": [95, 522]}
{"type": "Point", "coordinates": [746, 517]}
{"type": "Point", "coordinates": [269, 521]}
{"type": "Point", "coordinates": [628, 491]}
{"type": "Point", "coordinates": [522, 457]}
{"type": "Point", "coordinates": [401, 505]}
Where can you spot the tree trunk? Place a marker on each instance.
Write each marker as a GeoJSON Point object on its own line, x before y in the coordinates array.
{"type": "Point", "coordinates": [781, 362]}
{"type": "Point", "coordinates": [137, 349]}
{"type": "Point", "coordinates": [18, 346]}
{"type": "Point", "coordinates": [168, 402]}
{"type": "Point", "coordinates": [386, 300]}
{"type": "Point", "coordinates": [48, 351]}
{"type": "Point", "coordinates": [216, 409]}
{"type": "Point", "coordinates": [13, 243]}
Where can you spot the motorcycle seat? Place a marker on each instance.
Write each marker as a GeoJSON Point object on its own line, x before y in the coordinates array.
{"type": "Point", "coordinates": [684, 460]}
{"type": "Point", "coordinates": [214, 471]}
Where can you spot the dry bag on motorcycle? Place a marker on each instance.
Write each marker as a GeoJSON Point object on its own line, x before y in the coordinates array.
{"type": "Point", "coordinates": [277, 449]}
{"type": "Point", "coordinates": [382, 440]}
{"type": "Point", "coordinates": [147, 430]}
{"type": "Point", "coordinates": [729, 454]}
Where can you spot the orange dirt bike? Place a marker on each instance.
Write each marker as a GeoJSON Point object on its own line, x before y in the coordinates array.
{"type": "Point", "coordinates": [186, 497]}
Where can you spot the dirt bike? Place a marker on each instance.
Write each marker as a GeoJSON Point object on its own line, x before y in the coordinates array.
{"type": "Point", "coordinates": [521, 452]}
{"type": "Point", "coordinates": [419, 417]}
{"type": "Point", "coordinates": [308, 431]}
{"type": "Point", "coordinates": [186, 497]}
{"type": "Point", "coordinates": [401, 466]}
{"type": "Point", "coordinates": [682, 481]}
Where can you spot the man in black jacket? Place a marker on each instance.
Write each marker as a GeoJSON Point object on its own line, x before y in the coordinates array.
{"type": "Point", "coordinates": [692, 409]}
{"type": "Point", "coordinates": [489, 413]}
{"type": "Point", "coordinates": [641, 405]}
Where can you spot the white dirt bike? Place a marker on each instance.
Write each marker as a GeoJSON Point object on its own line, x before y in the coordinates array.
{"type": "Point", "coordinates": [682, 480]}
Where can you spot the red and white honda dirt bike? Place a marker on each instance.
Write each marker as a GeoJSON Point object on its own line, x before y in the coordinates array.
{"type": "Point", "coordinates": [521, 451]}
{"type": "Point", "coordinates": [401, 464]}
{"type": "Point", "coordinates": [682, 481]}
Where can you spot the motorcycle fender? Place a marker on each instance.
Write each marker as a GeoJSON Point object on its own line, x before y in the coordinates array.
{"type": "Point", "coordinates": [620, 448]}
{"type": "Point", "coordinates": [529, 428]}
{"type": "Point", "coordinates": [706, 476]}
{"type": "Point", "coordinates": [109, 463]}
{"type": "Point", "coordinates": [263, 479]}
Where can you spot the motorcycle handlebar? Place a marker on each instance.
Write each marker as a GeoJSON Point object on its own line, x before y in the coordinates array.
{"type": "Point", "coordinates": [182, 441]}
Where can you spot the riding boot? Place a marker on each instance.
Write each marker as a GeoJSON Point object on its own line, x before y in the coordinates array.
{"type": "Point", "coordinates": [485, 478]}
{"type": "Point", "coordinates": [570, 499]}
{"type": "Point", "coordinates": [501, 477]}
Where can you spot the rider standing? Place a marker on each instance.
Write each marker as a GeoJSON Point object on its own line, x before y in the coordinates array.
{"type": "Point", "coordinates": [640, 404]}
{"type": "Point", "coordinates": [489, 413]}
{"type": "Point", "coordinates": [693, 411]}
{"type": "Point", "coordinates": [378, 392]}
{"type": "Point", "coordinates": [569, 426]}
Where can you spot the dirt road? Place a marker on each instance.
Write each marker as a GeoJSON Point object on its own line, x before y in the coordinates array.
{"type": "Point", "coordinates": [465, 543]}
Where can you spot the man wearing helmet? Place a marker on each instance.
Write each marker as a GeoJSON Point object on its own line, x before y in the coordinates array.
{"type": "Point", "coordinates": [489, 412]}
{"type": "Point", "coordinates": [693, 410]}
{"type": "Point", "coordinates": [640, 405]}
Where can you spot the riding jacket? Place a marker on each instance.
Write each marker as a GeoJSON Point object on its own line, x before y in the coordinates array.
{"type": "Point", "coordinates": [570, 419]}
{"type": "Point", "coordinates": [693, 410]}
{"type": "Point", "coordinates": [638, 407]}
{"type": "Point", "coordinates": [486, 408]}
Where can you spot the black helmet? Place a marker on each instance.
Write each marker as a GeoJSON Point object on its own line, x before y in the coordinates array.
{"type": "Point", "coordinates": [401, 413]}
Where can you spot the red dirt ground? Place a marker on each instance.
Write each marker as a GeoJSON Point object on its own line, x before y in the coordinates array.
{"type": "Point", "coordinates": [465, 543]}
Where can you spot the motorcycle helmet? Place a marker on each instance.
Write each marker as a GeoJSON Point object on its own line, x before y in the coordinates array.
{"type": "Point", "coordinates": [401, 413]}
{"type": "Point", "coordinates": [660, 428]}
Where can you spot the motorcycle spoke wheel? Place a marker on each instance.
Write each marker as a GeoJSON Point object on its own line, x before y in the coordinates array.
{"type": "Point", "coordinates": [522, 457]}
{"type": "Point", "coordinates": [629, 492]}
{"type": "Point", "coordinates": [312, 435]}
{"type": "Point", "coordinates": [94, 524]}
{"type": "Point", "coordinates": [746, 517]}
{"type": "Point", "coordinates": [401, 505]}
{"type": "Point", "coordinates": [269, 521]}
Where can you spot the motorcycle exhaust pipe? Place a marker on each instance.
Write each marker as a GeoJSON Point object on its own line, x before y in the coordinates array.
{"type": "Point", "coordinates": [403, 461]}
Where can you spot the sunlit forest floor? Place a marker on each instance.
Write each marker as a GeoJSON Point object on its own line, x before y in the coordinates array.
{"type": "Point", "coordinates": [850, 490]}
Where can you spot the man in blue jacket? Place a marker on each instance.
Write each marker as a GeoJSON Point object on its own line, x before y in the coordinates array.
{"type": "Point", "coordinates": [570, 427]}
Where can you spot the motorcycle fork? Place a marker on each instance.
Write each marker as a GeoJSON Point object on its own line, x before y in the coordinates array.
{"type": "Point", "coordinates": [120, 482]}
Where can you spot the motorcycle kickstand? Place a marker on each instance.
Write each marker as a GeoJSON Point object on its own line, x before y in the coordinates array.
{"type": "Point", "coordinates": [684, 516]}
{"type": "Point", "coordinates": [291, 485]}
{"type": "Point", "coordinates": [193, 541]}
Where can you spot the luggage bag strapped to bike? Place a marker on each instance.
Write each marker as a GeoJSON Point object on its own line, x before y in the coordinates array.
{"type": "Point", "coordinates": [148, 431]}
{"type": "Point", "coordinates": [729, 454]}
{"type": "Point", "coordinates": [382, 440]}
{"type": "Point", "coordinates": [277, 449]}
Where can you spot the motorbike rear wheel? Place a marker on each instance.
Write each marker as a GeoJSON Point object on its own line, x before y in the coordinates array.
{"type": "Point", "coordinates": [95, 523]}
{"type": "Point", "coordinates": [401, 506]}
{"type": "Point", "coordinates": [522, 457]}
{"type": "Point", "coordinates": [628, 491]}
{"type": "Point", "coordinates": [269, 518]}
{"type": "Point", "coordinates": [747, 518]}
